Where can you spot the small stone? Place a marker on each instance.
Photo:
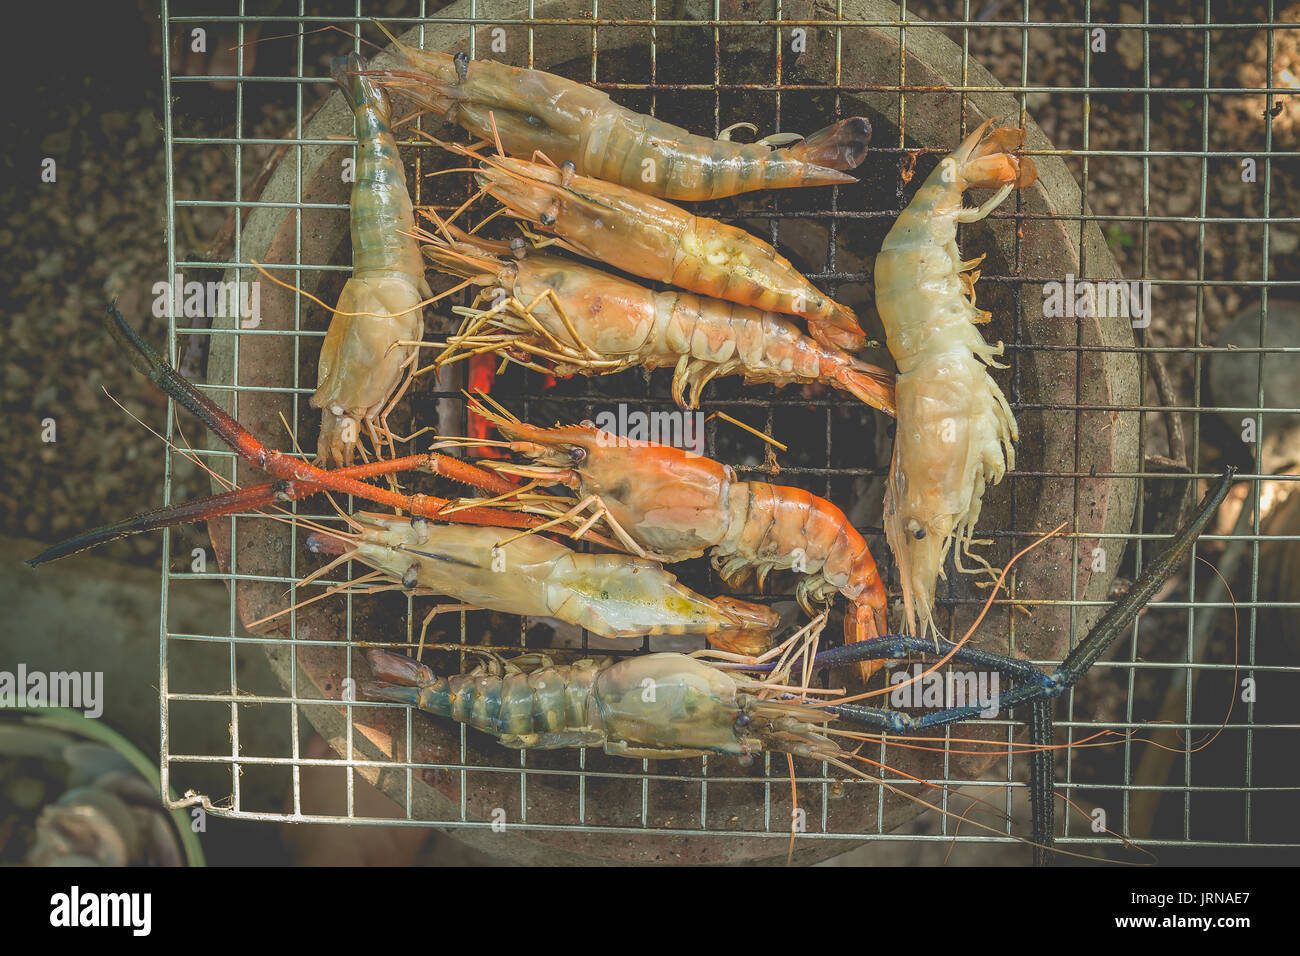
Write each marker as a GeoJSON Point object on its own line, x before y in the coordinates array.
{"type": "Point", "coordinates": [148, 124]}
{"type": "Point", "coordinates": [49, 266]}
{"type": "Point", "coordinates": [1282, 242]}
{"type": "Point", "coordinates": [1129, 43]}
{"type": "Point", "coordinates": [113, 123]}
{"type": "Point", "coordinates": [57, 143]}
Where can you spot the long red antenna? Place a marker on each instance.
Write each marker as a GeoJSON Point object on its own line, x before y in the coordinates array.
{"type": "Point", "coordinates": [298, 477]}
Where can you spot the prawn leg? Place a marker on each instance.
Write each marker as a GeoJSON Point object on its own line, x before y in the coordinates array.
{"type": "Point", "coordinates": [214, 506]}
{"type": "Point", "coordinates": [1032, 687]}
{"type": "Point", "coordinates": [428, 619]}
{"type": "Point", "coordinates": [151, 364]}
{"type": "Point", "coordinates": [976, 213]}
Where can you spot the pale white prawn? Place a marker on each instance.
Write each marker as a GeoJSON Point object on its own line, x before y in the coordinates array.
{"type": "Point", "coordinates": [955, 429]}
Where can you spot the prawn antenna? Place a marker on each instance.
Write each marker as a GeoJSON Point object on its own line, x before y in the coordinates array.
{"type": "Point", "coordinates": [303, 33]}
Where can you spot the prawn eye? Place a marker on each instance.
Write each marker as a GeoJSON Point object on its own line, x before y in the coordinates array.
{"type": "Point", "coordinates": [577, 454]}
{"type": "Point", "coordinates": [917, 529]}
{"type": "Point", "coordinates": [743, 720]}
{"type": "Point", "coordinates": [412, 577]}
{"type": "Point", "coordinates": [421, 528]}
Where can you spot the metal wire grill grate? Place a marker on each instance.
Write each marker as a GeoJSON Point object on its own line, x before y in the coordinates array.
{"type": "Point", "coordinates": [675, 60]}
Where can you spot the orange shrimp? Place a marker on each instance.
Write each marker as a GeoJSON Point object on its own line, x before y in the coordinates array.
{"type": "Point", "coordinates": [579, 319]}
{"type": "Point", "coordinates": [654, 239]}
{"type": "Point", "coordinates": [677, 505]}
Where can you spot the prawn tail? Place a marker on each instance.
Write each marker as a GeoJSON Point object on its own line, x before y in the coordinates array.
{"type": "Point", "coordinates": [993, 161]}
{"type": "Point", "coordinates": [326, 543]}
{"type": "Point", "coordinates": [838, 330]}
{"type": "Point", "coordinates": [400, 679]}
{"type": "Point", "coordinates": [865, 622]}
{"type": "Point", "coordinates": [868, 384]}
{"type": "Point", "coordinates": [360, 88]}
{"type": "Point", "coordinates": [842, 145]}
{"type": "Point", "coordinates": [378, 690]}
{"type": "Point", "coordinates": [397, 669]}
{"type": "Point", "coordinates": [753, 626]}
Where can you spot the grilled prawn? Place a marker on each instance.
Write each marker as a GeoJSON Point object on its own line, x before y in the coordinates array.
{"type": "Point", "coordinates": [576, 318]}
{"type": "Point", "coordinates": [611, 595]}
{"type": "Point", "coordinates": [531, 111]}
{"type": "Point", "coordinates": [676, 505]}
{"type": "Point", "coordinates": [654, 239]}
{"type": "Point", "coordinates": [955, 429]}
{"type": "Point", "coordinates": [361, 363]}
{"type": "Point", "coordinates": [654, 706]}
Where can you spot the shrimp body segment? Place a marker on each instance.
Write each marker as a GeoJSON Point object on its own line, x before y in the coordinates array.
{"type": "Point", "coordinates": [652, 706]}
{"type": "Point", "coordinates": [678, 505]}
{"type": "Point", "coordinates": [955, 429]}
{"type": "Point", "coordinates": [611, 595]}
{"type": "Point", "coordinates": [654, 239]}
{"type": "Point", "coordinates": [530, 110]}
{"type": "Point", "coordinates": [628, 325]}
{"type": "Point", "coordinates": [360, 364]}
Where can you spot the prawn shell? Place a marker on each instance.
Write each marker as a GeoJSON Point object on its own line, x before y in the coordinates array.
{"type": "Point", "coordinates": [517, 711]}
{"type": "Point", "coordinates": [655, 239]}
{"type": "Point", "coordinates": [614, 596]}
{"type": "Point", "coordinates": [672, 700]}
{"type": "Point", "coordinates": [672, 501]}
{"type": "Point", "coordinates": [528, 110]}
{"type": "Point", "coordinates": [955, 428]}
{"type": "Point", "coordinates": [546, 702]}
{"type": "Point", "coordinates": [625, 324]}
{"type": "Point", "coordinates": [461, 691]}
{"type": "Point", "coordinates": [360, 367]}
